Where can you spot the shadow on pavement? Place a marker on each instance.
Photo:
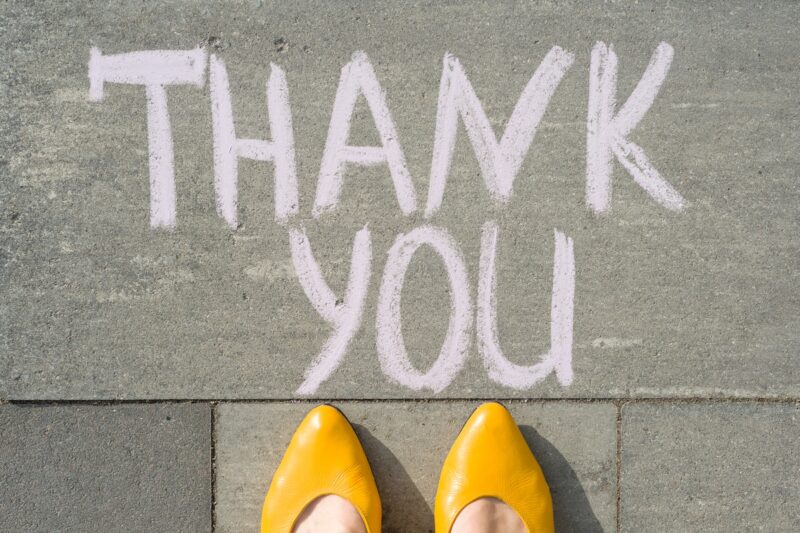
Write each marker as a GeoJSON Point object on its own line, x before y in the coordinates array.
{"type": "Point", "coordinates": [405, 509]}
{"type": "Point", "coordinates": [570, 504]}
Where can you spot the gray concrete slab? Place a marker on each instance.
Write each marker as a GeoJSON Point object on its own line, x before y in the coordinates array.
{"type": "Point", "coordinates": [406, 444]}
{"type": "Point", "coordinates": [82, 468]}
{"type": "Point", "coordinates": [710, 467]}
{"type": "Point", "coordinates": [95, 304]}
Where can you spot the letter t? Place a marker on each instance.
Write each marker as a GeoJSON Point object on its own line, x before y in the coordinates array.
{"type": "Point", "coordinates": [155, 69]}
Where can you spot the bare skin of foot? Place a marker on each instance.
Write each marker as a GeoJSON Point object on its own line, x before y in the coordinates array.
{"type": "Point", "coordinates": [488, 515]}
{"type": "Point", "coordinates": [329, 514]}
{"type": "Point", "coordinates": [333, 514]}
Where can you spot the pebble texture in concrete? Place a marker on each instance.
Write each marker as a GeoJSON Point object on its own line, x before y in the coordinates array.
{"type": "Point", "coordinates": [143, 468]}
{"type": "Point", "coordinates": [710, 467]}
{"type": "Point", "coordinates": [697, 303]}
{"type": "Point", "coordinates": [406, 444]}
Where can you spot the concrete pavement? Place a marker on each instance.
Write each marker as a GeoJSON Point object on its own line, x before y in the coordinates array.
{"type": "Point", "coordinates": [625, 279]}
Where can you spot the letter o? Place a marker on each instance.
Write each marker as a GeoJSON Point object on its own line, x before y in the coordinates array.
{"type": "Point", "coordinates": [391, 348]}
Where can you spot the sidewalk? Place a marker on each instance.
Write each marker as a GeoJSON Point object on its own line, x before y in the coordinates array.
{"type": "Point", "coordinates": [632, 466]}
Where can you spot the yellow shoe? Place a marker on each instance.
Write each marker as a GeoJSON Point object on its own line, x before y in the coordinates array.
{"type": "Point", "coordinates": [324, 457]}
{"type": "Point", "coordinates": [490, 458]}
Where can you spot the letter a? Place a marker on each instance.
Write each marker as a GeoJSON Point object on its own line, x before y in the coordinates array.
{"type": "Point", "coordinates": [357, 77]}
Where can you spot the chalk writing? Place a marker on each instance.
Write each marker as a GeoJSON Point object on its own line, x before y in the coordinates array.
{"type": "Point", "coordinates": [499, 162]}
{"type": "Point", "coordinates": [391, 348]}
{"type": "Point", "coordinates": [344, 317]}
{"type": "Point", "coordinates": [155, 70]}
{"type": "Point", "coordinates": [228, 148]}
{"type": "Point", "coordinates": [559, 358]}
{"type": "Point", "coordinates": [607, 133]}
{"type": "Point", "coordinates": [359, 77]}
{"type": "Point", "coordinates": [607, 138]}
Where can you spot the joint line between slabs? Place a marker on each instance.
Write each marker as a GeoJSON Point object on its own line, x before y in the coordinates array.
{"type": "Point", "coordinates": [213, 406]}
{"type": "Point", "coordinates": [618, 466]}
{"type": "Point", "coordinates": [510, 400]}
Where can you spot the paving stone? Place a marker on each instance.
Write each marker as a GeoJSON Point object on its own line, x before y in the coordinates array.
{"type": "Point", "coordinates": [710, 467]}
{"type": "Point", "coordinates": [87, 468]}
{"type": "Point", "coordinates": [406, 443]}
{"type": "Point", "coordinates": [95, 304]}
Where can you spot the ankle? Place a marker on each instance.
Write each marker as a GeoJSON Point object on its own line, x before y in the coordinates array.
{"type": "Point", "coordinates": [488, 515]}
{"type": "Point", "coordinates": [329, 514]}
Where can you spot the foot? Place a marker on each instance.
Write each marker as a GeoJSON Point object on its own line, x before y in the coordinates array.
{"type": "Point", "coordinates": [329, 514]}
{"type": "Point", "coordinates": [491, 481]}
{"type": "Point", "coordinates": [323, 458]}
{"type": "Point", "coordinates": [488, 515]}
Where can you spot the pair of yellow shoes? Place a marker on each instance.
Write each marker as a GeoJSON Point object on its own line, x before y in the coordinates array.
{"type": "Point", "coordinates": [489, 458]}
